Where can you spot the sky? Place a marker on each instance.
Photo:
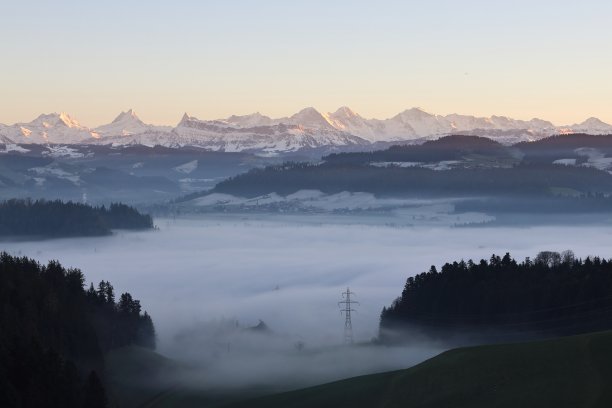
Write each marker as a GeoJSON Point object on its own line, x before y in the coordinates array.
{"type": "Point", "coordinates": [211, 59]}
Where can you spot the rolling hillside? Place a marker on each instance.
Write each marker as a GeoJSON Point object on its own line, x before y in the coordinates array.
{"type": "Point", "coordinates": [567, 372]}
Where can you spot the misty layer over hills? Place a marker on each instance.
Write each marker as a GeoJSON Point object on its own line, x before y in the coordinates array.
{"type": "Point", "coordinates": [306, 129]}
{"type": "Point", "coordinates": [458, 166]}
{"type": "Point", "coordinates": [198, 275]}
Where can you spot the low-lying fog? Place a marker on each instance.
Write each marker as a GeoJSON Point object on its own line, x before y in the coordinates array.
{"type": "Point", "coordinates": [197, 277]}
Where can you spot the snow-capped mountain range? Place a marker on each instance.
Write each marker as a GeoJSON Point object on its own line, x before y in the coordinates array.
{"type": "Point", "coordinates": [51, 128]}
{"type": "Point", "coordinates": [306, 129]}
{"type": "Point", "coordinates": [128, 124]}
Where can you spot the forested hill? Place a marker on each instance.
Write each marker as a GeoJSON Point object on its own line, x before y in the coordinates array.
{"type": "Point", "coordinates": [64, 219]}
{"type": "Point", "coordinates": [475, 151]}
{"type": "Point", "coordinates": [456, 147]}
{"type": "Point", "coordinates": [503, 300]}
{"type": "Point", "coordinates": [54, 334]}
{"type": "Point", "coordinates": [521, 180]}
{"type": "Point", "coordinates": [452, 166]}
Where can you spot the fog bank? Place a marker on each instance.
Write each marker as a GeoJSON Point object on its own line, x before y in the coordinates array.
{"type": "Point", "coordinates": [195, 272]}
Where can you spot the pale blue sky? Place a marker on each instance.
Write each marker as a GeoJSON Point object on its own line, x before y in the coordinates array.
{"type": "Point", "coordinates": [210, 58]}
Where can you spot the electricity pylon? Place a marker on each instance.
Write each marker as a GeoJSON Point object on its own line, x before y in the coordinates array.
{"type": "Point", "coordinates": [346, 305]}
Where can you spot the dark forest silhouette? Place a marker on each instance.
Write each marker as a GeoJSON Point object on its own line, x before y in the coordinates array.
{"type": "Point", "coordinates": [482, 167]}
{"type": "Point", "coordinates": [335, 177]}
{"type": "Point", "coordinates": [54, 334]}
{"type": "Point", "coordinates": [62, 219]}
{"type": "Point", "coordinates": [500, 299]}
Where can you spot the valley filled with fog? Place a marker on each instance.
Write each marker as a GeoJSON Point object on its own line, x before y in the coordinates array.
{"type": "Point", "coordinates": [208, 281]}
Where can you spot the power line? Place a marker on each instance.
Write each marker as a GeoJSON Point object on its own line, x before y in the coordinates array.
{"type": "Point", "coordinates": [346, 305]}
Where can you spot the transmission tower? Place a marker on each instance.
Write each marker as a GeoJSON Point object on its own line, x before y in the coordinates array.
{"type": "Point", "coordinates": [346, 307]}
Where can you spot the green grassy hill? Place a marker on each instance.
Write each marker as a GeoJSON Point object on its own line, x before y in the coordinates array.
{"type": "Point", "coordinates": [566, 372]}
{"type": "Point", "coordinates": [141, 378]}
{"type": "Point", "coordinates": [137, 375]}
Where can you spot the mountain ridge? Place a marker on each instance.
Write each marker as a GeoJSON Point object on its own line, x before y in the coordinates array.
{"type": "Point", "coordinates": [307, 128]}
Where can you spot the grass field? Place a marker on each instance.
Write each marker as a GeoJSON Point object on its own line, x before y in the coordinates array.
{"type": "Point", "coordinates": [567, 372]}
{"type": "Point", "coordinates": [137, 375]}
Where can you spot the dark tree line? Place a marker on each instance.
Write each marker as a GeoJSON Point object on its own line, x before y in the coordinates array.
{"type": "Point", "coordinates": [454, 147]}
{"type": "Point", "coordinates": [564, 146]}
{"type": "Point", "coordinates": [57, 218]}
{"type": "Point", "coordinates": [521, 180]}
{"type": "Point", "coordinates": [487, 169]}
{"type": "Point", "coordinates": [458, 147]}
{"type": "Point", "coordinates": [502, 299]}
{"type": "Point", "coordinates": [54, 333]}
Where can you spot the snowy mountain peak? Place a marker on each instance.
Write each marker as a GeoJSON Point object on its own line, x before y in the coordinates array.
{"type": "Point", "coordinates": [50, 120]}
{"type": "Point", "coordinates": [594, 122]}
{"type": "Point", "coordinates": [126, 124]}
{"type": "Point", "coordinates": [541, 123]}
{"type": "Point", "coordinates": [253, 120]}
{"type": "Point", "coordinates": [43, 120]}
{"type": "Point", "coordinates": [591, 125]}
{"type": "Point", "coordinates": [186, 118]}
{"type": "Point", "coordinates": [414, 113]}
{"type": "Point", "coordinates": [130, 116]}
{"type": "Point", "coordinates": [344, 112]}
{"type": "Point", "coordinates": [310, 117]}
{"type": "Point", "coordinates": [307, 112]}
{"type": "Point", "coordinates": [417, 110]}
{"type": "Point", "coordinates": [68, 121]}
{"type": "Point", "coordinates": [49, 128]}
